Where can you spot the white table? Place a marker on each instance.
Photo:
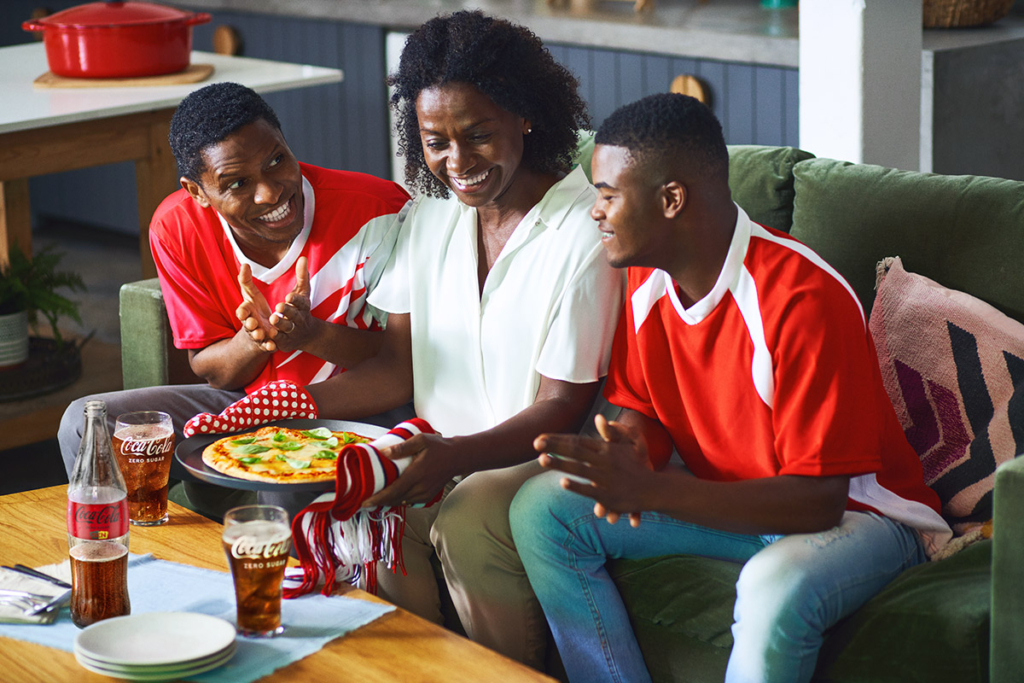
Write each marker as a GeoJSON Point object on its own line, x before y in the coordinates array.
{"type": "Point", "coordinates": [60, 129]}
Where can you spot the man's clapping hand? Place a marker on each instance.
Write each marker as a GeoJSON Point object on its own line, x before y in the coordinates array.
{"type": "Point", "coordinates": [289, 326]}
{"type": "Point", "coordinates": [616, 465]}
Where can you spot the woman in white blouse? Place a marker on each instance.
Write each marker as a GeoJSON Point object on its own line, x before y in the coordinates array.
{"type": "Point", "coordinates": [501, 309]}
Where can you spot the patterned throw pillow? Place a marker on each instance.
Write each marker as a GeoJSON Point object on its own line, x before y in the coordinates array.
{"type": "Point", "coordinates": [953, 367]}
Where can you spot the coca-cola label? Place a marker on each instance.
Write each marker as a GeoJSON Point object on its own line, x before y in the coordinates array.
{"type": "Point", "coordinates": [98, 522]}
{"type": "Point", "coordinates": [148, 448]}
{"type": "Point", "coordinates": [249, 547]}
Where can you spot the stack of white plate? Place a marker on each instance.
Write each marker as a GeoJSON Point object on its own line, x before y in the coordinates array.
{"type": "Point", "coordinates": [159, 646]}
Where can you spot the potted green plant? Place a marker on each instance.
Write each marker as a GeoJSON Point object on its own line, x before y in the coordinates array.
{"type": "Point", "coordinates": [29, 287]}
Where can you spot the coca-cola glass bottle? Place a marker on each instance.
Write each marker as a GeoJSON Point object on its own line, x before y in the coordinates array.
{"type": "Point", "coordinates": [97, 526]}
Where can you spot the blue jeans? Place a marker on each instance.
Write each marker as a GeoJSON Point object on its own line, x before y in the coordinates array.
{"type": "Point", "coordinates": [791, 588]}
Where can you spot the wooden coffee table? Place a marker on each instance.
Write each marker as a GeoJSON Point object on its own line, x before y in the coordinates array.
{"type": "Point", "coordinates": [397, 647]}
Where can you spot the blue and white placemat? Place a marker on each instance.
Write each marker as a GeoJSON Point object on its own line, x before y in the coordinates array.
{"type": "Point", "coordinates": [156, 585]}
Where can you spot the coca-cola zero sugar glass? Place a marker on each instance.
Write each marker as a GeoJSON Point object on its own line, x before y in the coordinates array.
{"type": "Point", "coordinates": [256, 540]}
{"type": "Point", "coordinates": [143, 444]}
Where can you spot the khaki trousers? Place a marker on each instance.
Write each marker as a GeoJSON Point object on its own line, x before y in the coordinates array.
{"type": "Point", "coordinates": [470, 533]}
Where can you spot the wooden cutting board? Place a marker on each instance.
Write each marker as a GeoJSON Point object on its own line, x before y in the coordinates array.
{"type": "Point", "coordinates": [193, 74]}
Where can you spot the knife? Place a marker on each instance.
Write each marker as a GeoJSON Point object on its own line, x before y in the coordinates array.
{"type": "Point", "coordinates": [39, 575]}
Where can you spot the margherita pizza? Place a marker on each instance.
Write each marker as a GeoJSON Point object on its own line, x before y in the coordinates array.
{"type": "Point", "coordinates": [280, 455]}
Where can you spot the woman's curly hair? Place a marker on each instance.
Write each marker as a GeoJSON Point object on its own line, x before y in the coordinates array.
{"type": "Point", "coordinates": [506, 62]}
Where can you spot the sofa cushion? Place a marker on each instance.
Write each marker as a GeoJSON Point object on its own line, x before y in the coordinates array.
{"type": "Point", "coordinates": [930, 624]}
{"type": "Point", "coordinates": [953, 367]}
{"type": "Point", "coordinates": [966, 232]}
{"type": "Point", "coordinates": [761, 178]}
{"type": "Point", "coordinates": [680, 608]}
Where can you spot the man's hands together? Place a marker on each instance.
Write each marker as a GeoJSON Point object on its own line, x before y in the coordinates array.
{"type": "Point", "coordinates": [617, 467]}
{"type": "Point", "coordinates": [290, 325]}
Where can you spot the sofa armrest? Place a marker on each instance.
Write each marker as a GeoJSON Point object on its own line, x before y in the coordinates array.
{"type": "Point", "coordinates": [1007, 656]}
{"type": "Point", "coordinates": [148, 356]}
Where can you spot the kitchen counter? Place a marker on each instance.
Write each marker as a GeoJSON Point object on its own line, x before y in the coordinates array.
{"type": "Point", "coordinates": [725, 30]}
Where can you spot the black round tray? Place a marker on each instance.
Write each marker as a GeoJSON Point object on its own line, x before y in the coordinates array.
{"type": "Point", "coordinates": [44, 371]}
{"type": "Point", "coordinates": [190, 454]}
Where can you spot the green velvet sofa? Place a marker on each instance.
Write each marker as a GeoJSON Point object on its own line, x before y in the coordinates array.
{"type": "Point", "coordinates": [957, 620]}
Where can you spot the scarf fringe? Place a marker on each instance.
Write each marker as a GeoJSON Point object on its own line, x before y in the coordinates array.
{"type": "Point", "coordinates": [369, 537]}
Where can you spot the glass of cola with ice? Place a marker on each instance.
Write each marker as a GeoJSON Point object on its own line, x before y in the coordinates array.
{"type": "Point", "coordinates": [256, 540]}
{"type": "Point", "coordinates": [143, 444]}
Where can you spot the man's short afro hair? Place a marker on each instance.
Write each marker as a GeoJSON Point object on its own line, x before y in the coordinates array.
{"type": "Point", "coordinates": [663, 130]}
{"type": "Point", "coordinates": [506, 62]}
{"type": "Point", "coordinates": [209, 115]}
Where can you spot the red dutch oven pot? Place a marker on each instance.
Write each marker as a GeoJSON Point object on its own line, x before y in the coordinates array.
{"type": "Point", "coordinates": [117, 39]}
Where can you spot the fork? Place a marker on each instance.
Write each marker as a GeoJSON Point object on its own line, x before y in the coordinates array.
{"type": "Point", "coordinates": [25, 603]}
{"type": "Point", "coordinates": [52, 605]}
{"type": "Point", "coordinates": [6, 592]}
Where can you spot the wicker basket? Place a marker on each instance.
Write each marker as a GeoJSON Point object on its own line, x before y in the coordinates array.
{"type": "Point", "coordinates": [958, 13]}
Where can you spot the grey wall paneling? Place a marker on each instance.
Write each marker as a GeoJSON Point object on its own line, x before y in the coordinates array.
{"type": "Point", "coordinates": [756, 104]}
{"type": "Point", "coordinates": [977, 127]}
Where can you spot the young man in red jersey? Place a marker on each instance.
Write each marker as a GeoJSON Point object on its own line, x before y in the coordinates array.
{"type": "Point", "coordinates": [744, 351]}
{"type": "Point", "coordinates": [265, 264]}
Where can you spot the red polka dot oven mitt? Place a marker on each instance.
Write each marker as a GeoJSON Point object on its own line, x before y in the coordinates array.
{"type": "Point", "coordinates": [280, 400]}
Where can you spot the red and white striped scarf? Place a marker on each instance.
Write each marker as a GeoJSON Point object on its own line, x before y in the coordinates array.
{"type": "Point", "coordinates": [336, 536]}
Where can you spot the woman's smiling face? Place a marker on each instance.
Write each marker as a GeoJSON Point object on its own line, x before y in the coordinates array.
{"type": "Point", "coordinates": [470, 144]}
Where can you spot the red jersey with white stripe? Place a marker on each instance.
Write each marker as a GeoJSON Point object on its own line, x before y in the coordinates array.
{"type": "Point", "coordinates": [350, 228]}
{"type": "Point", "coordinates": [772, 373]}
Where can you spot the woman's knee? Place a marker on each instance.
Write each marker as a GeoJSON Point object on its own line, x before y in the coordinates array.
{"type": "Point", "coordinates": [471, 518]}
{"type": "Point", "coordinates": [478, 507]}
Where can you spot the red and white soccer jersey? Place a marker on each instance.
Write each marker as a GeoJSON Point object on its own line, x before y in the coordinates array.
{"type": "Point", "coordinates": [772, 373]}
{"type": "Point", "coordinates": [351, 224]}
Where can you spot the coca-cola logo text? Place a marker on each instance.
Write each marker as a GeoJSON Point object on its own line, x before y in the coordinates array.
{"type": "Point", "coordinates": [98, 521]}
{"type": "Point", "coordinates": [250, 547]}
{"type": "Point", "coordinates": [148, 447]}
{"type": "Point", "coordinates": [104, 516]}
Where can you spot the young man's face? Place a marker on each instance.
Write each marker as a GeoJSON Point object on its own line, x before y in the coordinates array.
{"type": "Point", "coordinates": [254, 181]}
{"type": "Point", "coordinates": [628, 210]}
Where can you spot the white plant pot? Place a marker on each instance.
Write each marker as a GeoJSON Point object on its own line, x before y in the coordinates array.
{"type": "Point", "coordinates": [13, 338]}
